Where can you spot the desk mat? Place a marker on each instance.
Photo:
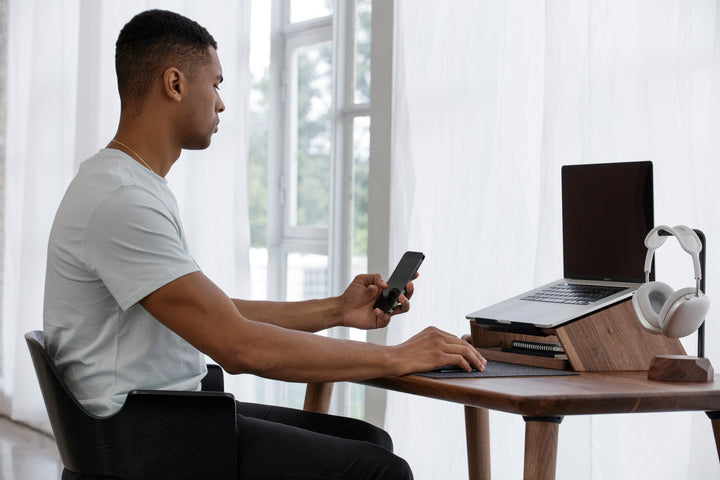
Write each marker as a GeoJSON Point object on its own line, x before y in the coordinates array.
{"type": "Point", "coordinates": [499, 369]}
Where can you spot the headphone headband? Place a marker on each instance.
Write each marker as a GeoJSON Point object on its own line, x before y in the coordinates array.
{"type": "Point", "coordinates": [686, 237]}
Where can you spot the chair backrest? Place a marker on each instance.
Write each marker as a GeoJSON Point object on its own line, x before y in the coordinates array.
{"type": "Point", "coordinates": [155, 435]}
{"type": "Point", "coordinates": [69, 420]}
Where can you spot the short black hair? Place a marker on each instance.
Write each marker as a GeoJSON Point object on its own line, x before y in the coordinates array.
{"type": "Point", "coordinates": [153, 41]}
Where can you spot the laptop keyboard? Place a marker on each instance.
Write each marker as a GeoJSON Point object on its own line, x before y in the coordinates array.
{"type": "Point", "coordinates": [573, 294]}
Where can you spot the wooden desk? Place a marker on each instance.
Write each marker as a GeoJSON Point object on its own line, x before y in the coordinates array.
{"type": "Point", "coordinates": [544, 401]}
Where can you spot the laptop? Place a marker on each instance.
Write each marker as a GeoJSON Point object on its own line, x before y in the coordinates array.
{"type": "Point", "coordinates": [607, 210]}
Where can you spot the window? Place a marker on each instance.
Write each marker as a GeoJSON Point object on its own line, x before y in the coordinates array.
{"type": "Point", "coordinates": [308, 157]}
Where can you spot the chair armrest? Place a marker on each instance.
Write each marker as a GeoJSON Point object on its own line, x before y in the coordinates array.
{"type": "Point", "coordinates": [190, 435]}
{"type": "Point", "coordinates": [213, 381]}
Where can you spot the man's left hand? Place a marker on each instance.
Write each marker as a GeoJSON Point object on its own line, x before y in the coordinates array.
{"type": "Point", "coordinates": [359, 297]}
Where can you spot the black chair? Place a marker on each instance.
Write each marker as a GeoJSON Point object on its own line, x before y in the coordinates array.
{"type": "Point", "coordinates": [155, 435]}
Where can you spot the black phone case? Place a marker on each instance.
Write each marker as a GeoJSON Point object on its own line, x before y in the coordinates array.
{"type": "Point", "coordinates": [403, 273]}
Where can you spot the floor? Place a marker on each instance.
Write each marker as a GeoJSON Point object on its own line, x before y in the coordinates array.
{"type": "Point", "coordinates": [26, 454]}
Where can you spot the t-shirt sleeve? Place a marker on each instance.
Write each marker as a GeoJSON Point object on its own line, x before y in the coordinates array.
{"type": "Point", "coordinates": [135, 244]}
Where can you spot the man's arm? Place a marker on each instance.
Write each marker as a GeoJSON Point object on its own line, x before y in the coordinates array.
{"type": "Point", "coordinates": [197, 310]}
{"type": "Point", "coordinates": [351, 309]}
{"type": "Point", "coordinates": [307, 316]}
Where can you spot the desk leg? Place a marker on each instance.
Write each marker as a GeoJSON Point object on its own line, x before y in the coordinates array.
{"type": "Point", "coordinates": [541, 440]}
{"type": "Point", "coordinates": [477, 433]}
{"type": "Point", "coordinates": [317, 397]}
{"type": "Point", "coordinates": [715, 420]}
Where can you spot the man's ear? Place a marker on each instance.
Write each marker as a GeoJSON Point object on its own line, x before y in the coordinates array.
{"type": "Point", "coordinates": [174, 83]}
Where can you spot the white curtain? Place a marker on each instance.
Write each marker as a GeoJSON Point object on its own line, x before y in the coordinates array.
{"type": "Point", "coordinates": [62, 107]}
{"type": "Point", "coordinates": [490, 99]}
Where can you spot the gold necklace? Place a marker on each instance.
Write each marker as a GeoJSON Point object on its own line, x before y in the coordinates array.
{"type": "Point", "coordinates": [136, 154]}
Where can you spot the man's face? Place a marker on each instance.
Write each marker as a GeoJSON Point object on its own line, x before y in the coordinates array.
{"type": "Point", "coordinates": [201, 115]}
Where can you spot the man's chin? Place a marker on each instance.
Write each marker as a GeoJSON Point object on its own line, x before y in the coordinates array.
{"type": "Point", "coordinates": [197, 145]}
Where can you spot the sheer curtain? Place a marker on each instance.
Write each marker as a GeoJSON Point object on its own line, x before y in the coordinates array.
{"type": "Point", "coordinates": [62, 107]}
{"type": "Point", "coordinates": [490, 99]}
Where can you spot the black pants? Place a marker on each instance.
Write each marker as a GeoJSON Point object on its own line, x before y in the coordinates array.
{"type": "Point", "coordinates": [284, 443]}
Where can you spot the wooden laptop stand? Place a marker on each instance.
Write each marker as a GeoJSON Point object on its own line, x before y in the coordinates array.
{"type": "Point", "coordinates": [610, 339]}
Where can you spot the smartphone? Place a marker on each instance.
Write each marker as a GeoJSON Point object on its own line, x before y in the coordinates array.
{"type": "Point", "coordinates": [405, 271]}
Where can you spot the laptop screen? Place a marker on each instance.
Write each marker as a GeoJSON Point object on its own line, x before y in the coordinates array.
{"type": "Point", "coordinates": [607, 210]}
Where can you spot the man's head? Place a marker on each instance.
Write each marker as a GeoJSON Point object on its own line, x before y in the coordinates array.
{"type": "Point", "coordinates": [152, 42]}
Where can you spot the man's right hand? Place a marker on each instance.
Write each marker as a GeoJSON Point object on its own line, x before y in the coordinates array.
{"type": "Point", "coordinates": [433, 348]}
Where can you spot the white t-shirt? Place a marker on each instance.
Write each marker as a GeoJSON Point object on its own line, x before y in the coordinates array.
{"type": "Point", "coordinates": [116, 238]}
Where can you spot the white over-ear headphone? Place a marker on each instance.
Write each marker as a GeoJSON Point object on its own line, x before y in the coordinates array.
{"type": "Point", "coordinates": [659, 308]}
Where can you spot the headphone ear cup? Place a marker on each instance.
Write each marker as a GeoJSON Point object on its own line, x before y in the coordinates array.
{"type": "Point", "coordinates": [648, 303]}
{"type": "Point", "coordinates": [683, 313]}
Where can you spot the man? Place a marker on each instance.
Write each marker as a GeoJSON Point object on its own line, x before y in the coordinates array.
{"type": "Point", "coordinates": [127, 307]}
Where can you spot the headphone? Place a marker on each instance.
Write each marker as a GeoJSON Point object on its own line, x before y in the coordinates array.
{"type": "Point", "coordinates": [659, 308]}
